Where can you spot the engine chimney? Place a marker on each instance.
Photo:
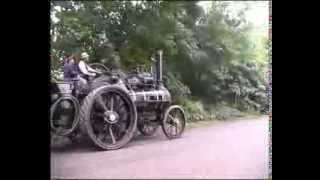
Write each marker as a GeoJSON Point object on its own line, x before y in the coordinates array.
{"type": "Point", "coordinates": [159, 67]}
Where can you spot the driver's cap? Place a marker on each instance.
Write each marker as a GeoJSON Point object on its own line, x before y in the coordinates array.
{"type": "Point", "coordinates": [84, 55]}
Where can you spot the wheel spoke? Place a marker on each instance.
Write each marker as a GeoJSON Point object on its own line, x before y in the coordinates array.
{"type": "Point", "coordinates": [100, 131]}
{"type": "Point", "coordinates": [124, 114]}
{"type": "Point", "coordinates": [112, 136]}
{"type": "Point", "coordinates": [176, 129]}
{"type": "Point", "coordinates": [120, 129]}
{"type": "Point", "coordinates": [169, 128]}
{"type": "Point", "coordinates": [171, 117]}
{"type": "Point", "coordinates": [117, 103]}
{"type": "Point", "coordinates": [98, 114]}
{"type": "Point", "coordinates": [101, 103]}
{"type": "Point", "coordinates": [111, 104]}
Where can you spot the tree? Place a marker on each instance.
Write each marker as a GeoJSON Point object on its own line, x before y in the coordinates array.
{"type": "Point", "coordinates": [213, 55]}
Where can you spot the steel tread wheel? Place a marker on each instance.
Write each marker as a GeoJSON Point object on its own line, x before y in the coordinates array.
{"type": "Point", "coordinates": [174, 121]}
{"type": "Point", "coordinates": [109, 117]}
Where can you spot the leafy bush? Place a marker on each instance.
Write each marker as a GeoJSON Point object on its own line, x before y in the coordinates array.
{"type": "Point", "coordinates": [177, 89]}
{"type": "Point", "coordinates": [197, 111]}
{"type": "Point", "coordinates": [225, 112]}
{"type": "Point", "coordinates": [56, 75]}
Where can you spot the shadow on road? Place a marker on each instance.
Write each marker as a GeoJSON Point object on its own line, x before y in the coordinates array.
{"type": "Point", "coordinates": [64, 144]}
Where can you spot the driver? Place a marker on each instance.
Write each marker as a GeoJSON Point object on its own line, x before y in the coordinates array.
{"type": "Point", "coordinates": [85, 69]}
{"type": "Point", "coordinates": [85, 72]}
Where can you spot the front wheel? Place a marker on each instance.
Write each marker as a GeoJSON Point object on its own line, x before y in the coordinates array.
{"type": "Point", "coordinates": [174, 122]}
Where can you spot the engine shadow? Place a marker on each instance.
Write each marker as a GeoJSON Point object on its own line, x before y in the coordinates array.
{"type": "Point", "coordinates": [64, 144]}
{"type": "Point", "coordinates": [140, 140]}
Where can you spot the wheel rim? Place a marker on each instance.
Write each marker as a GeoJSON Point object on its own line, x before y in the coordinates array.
{"type": "Point", "coordinates": [63, 120]}
{"type": "Point", "coordinates": [110, 119]}
{"type": "Point", "coordinates": [174, 122]}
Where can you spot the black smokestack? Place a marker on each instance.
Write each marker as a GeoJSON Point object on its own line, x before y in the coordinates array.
{"type": "Point", "coordinates": [159, 67]}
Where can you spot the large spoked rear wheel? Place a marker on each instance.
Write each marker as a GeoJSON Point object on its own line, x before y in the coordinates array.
{"type": "Point", "coordinates": [109, 117]}
{"type": "Point", "coordinates": [64, 115]}
{"type": "Point", "coordinates": [174, 122]}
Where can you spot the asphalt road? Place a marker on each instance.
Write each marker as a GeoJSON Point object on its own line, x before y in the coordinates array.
{"type": "Point", "coordinates": [233, 149]}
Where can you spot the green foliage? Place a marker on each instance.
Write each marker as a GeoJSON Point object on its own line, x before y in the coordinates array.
{"type": "Point", "coordinates": [56, 75]}
{"type": "Point", "coordinates": [215, 56]}
{"type": "Point", "coordinates": [178, 90]}
{"type": "Point", "coordinates": [197, 110]}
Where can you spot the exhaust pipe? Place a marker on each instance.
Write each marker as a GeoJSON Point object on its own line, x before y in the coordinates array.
{"type": "Point", "coordinates": [159, 67]}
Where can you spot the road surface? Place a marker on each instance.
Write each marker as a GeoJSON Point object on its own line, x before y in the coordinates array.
{"type": "Point", "coordinates": [232, 149]}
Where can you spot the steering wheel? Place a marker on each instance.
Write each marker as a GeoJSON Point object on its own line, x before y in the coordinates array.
{"type": "Point", "coordinates": [99, 67]}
